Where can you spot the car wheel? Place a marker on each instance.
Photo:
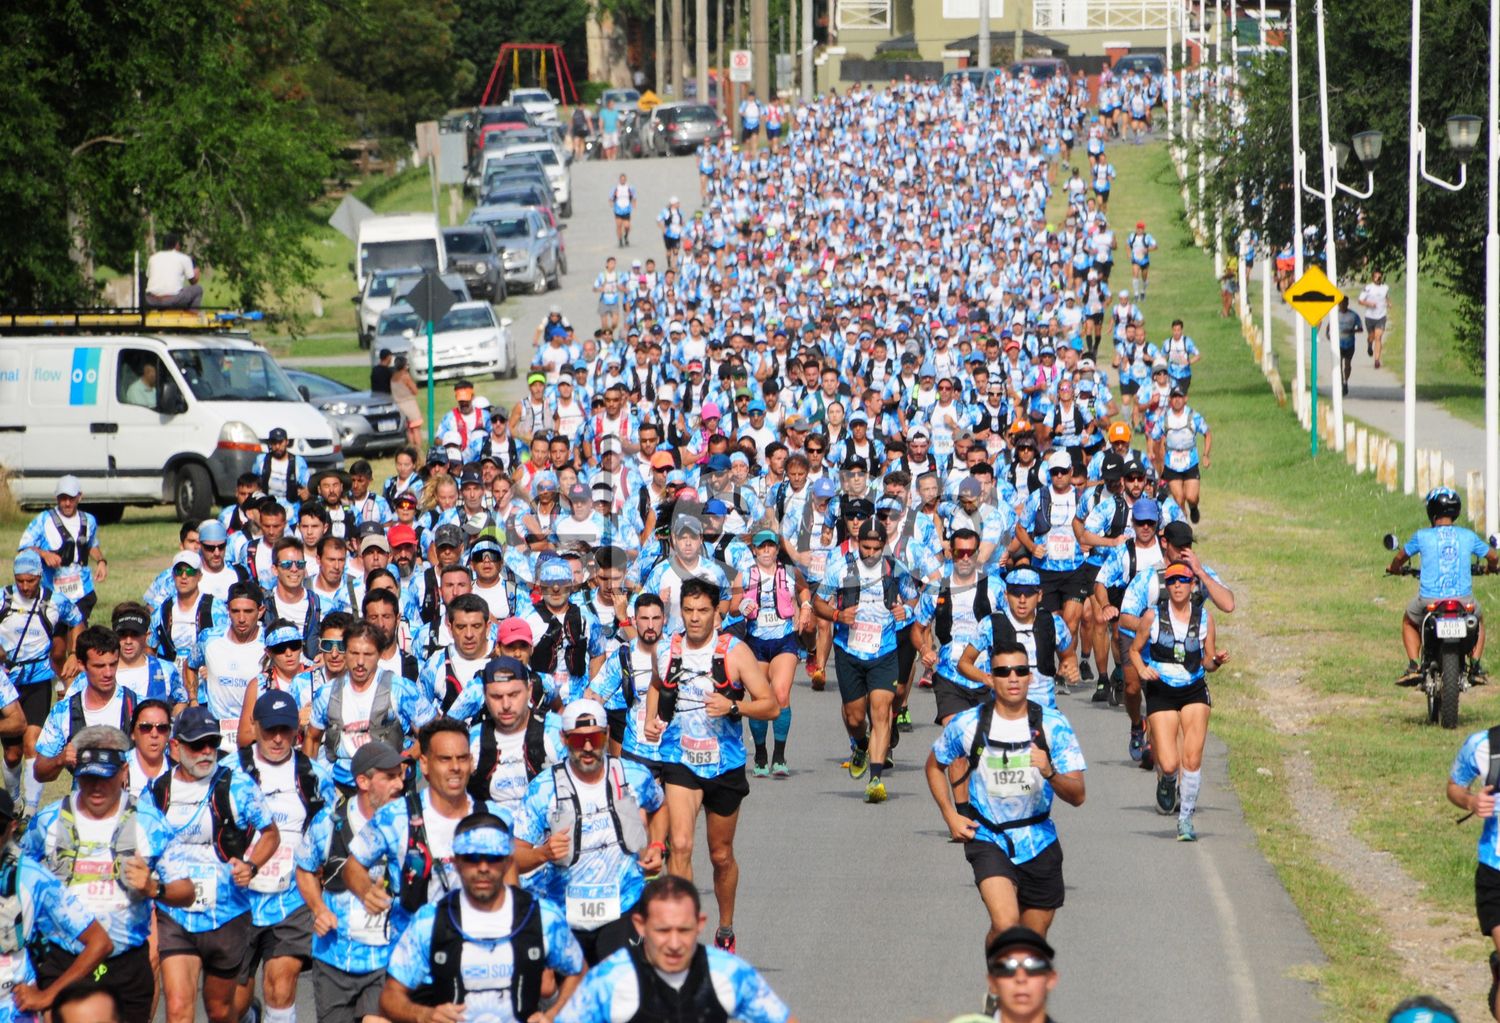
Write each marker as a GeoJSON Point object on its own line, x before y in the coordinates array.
{"type": "Point", "coordinates": [556, 281]}
{"type": "Point", "coordinates": [364, 340]}
{"type": "Point", "coordinates": [562, 263]}
{"type": "Point", "coordinates": [540, 285]}
{"type": "Point", "coordinates": [567, 209]}
{"type": "Point", "coordinates": [106, 514]}
{"type": "Point", "coordinates": [502, 292]}
{"type": "Point", "coordinates": [192, 494]}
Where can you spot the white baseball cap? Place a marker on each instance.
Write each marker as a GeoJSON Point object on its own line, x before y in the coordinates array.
{"type": "Point", "coordinates": [1059, 460]}
{"type": "Point", "coordinates": [68, 486]}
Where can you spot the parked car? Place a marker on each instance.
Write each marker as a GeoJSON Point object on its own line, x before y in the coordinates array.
{"type": "Point", "coordinates": [1041, 68]}
{"type": "Point", "coordinates": [470, 339]}
{"type": "Point", "coordinates": [376, 297]}
{"type": "Point", "coordinates": [516, 174]}
{"type": "Point", "coordinates": [454, 281]}
{"type": "Point", "coordinates": [368, 424]}
{"type": "Point", "coordinates": [533, 248]}
{"type": "Point", "coordinates": [476, 255]}
{"type": "Point", "coordinates": [555, 164]}
{"type": "Point", "coordinates": [520, 193]}
{"type": "Point", "coordinates": [491, 120]}
{"type": "Point", "coordinates": [536, 102]}
{"type": "Point", "coordinates": [1152, 64]}
{"type": "Point", "coordinates": [623, 99]}
{"type": "Point", "coordinates": [682, 127]}
{"type": "Point", "coordinates": [976, 77]}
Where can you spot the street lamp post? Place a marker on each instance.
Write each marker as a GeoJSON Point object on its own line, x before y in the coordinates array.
{"type": "Point", "coordinates": [1463, 135]}
{"type": "Point", "coordinates": [1492, 294]}
{"type": "Point", "coordinates": [1298, 259]}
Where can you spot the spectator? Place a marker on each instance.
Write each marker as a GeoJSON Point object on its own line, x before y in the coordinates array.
{"type": "Point", "coordinates": [171, 277]}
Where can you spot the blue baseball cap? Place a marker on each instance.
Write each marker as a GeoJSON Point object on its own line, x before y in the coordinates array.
{"type": "Point", "coordinates": [484, 840]}
{"type": "Point", "coordinates": [28, 562]}
{"type": "Point", "coordinates": [824, 487]}
{"type": "Point", "coordinates": [763, 537]}
{"type": "Point", "coordinates": [276, 709]}
{"type": "Point", "coordinates": [284, 635]}
{"type": "Point", "coordinates": [714, 506]}
{"type": "Point", "coordinates": [1145, 509]}
{"type": "Point", "coordinates": [1022, 577]}
{"type": "Point", "coordinates": [555, 570]}
{"type": "Point", "coordinates": [99, 763]}
{"type": "Point", "coordinates": [196, 723]}
{"type": "Point", "coordinates": [757, 406]}
{"type": "Point", "coordinates": [212, 531]}
{"type": "Point", "coordinates": [718, 463]}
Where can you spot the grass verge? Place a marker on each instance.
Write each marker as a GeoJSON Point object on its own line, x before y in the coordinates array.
{"type": "Point", "coordinates": [1299, 541]}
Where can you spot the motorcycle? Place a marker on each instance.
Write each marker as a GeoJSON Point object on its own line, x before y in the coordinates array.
{"type": "Point", "coordinates": [1450, 628]}
{"type": "Point", "coordinates": [593, 147]}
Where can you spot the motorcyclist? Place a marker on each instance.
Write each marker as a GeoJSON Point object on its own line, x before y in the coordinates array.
{"type": "Point", "coordinates": [1445, 549]}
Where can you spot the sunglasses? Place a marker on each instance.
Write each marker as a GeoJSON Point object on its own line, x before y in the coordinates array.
{"type": "Point", "coordinates": [282, 648]}
{"type": "Point", "coordinates": [211, 546]}
{"type": "Point", "coordinates": [592, 739]}
{"type": "Point", "coordinates": [148, 727]}
{"type": "Point", "coordinates": [964, 554]}
{"type": "Point", "coordinates": [1062, 472]}
{"type": "Point", "coordinates": [814, 451]}
{"type": "Point", "coordinates": [1173, 580]}
{"type": "Point", "coordinates": [1023, 591]}
{"type": "Point", "coordinates": [330, 645]}
{"type": "Point", "coordinates": [291, 564]}
{"type": "Point", "coordinates": [1007, 670]}
{"type": "Point", "coordinates": [199, 745]}
{"type": "Point", "coordinates": [473, 859]}
{"type": "Point", "coordinates": [1011, 965]}
{"type": "Point", "coordinates": [184, 570]}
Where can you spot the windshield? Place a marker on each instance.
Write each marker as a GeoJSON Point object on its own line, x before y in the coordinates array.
{"type": "Point", "coordinates": [233, 374]}
{"type": "Point", "coordinates": [699, 113]}
{"type": "Point", "coordinates": [531, 96]}
{"type": "Point", "coordinates": [384, 285]}
{"type": "Point", "coordinates": [395, 324]}
{"type": "Point", "coordinates": [474, 318]}
{"type": "Point", "coordinates": [509, 227]}
{"type": "Point", "coordinates": [321, 387]}
{"type": "Point", "coordinates": [466, 243]}
{"type": "Point", "coordinates": [406, 252]}
{"type": "Point", "coordinates": [516, 195]}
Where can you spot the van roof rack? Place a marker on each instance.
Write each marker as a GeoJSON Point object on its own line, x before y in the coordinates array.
{"type": "Point", "coordinates": [111, 321]}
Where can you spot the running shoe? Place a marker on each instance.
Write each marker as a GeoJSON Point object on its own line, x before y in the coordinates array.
{"type": "Point", "coordinates": [1101, 692]}
{"type": "Point", "coordinates": [858, 763]}
{"type": "Point", "coordinates": [903, 720]}
{"type": "Point", "coordinates": [875, 791]}
{"type": "Point", "coordinates": [761, 771]}
{"type": "Point", "coordinates": [1193, 508]}
{"type": "Point", "coordinates": [1166, 794]}
{"type": "Point", "coordinates": [724, 938]}
{"type": "Point", "coordinates": [1185, 832]}
{"type": "Point", "coordinates": [780, 770]}
{"type": "Point", "coordinates": [1085, 671]}
{"type": "Point", "coordinates": [1137, 743]}
{"type": "Point", "coordinates": [819, 678]}
{"type": "Point", "coordinates": [1411, 676]}
{"type": "Point", "coordinates": [1477, 675]}
{"type": "Point", "coordinates": [1494, 979]}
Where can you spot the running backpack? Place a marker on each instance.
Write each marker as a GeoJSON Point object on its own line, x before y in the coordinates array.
{"type": "Point", "coordinates": [445, 963]}
{"type": "Point", "coordinates": [230, 841]}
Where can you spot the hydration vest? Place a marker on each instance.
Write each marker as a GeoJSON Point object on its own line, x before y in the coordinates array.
{"type": "Point", "coordinates": [534, 756]}
{"type": "Point", "coordinates": [695, 1002]}
{"type": "Point", "coordinates": [385, 724]}
{"type": "Point", "coordinates": [1034, 725]}
{"type": "Point", "coordinates": [164, 644]}
{"type": "Point", "coordinates": [445, 958]}
{"type": "Point", "coordinates": [1043, 634]}
{"type": "Point", "coordinates": [230, 841]}
{"type": "Point", "coordinates": [302, 769]}
{"type": "Point", "coordinates": [943, 621]}
{"type": "Point", "coordinates": [1164, 646]}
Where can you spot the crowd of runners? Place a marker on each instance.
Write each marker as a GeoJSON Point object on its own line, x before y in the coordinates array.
{"type": "Point", "coordinates": [883, 418]}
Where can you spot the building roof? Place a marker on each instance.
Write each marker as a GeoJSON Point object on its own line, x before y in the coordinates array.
{"type": "Point", "coordinates": [1029, 40]}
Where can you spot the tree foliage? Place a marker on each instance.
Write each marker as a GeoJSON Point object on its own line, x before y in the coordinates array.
{"type": "Point", "coordinates": [1368, 47]}
{"type": "Point", "coordinates": [485, 24]}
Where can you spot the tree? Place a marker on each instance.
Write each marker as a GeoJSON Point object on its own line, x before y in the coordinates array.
{"type": "Point", "coordinates": [1368, 64]}
{"type": "Point", "coordinates": [485, 24]}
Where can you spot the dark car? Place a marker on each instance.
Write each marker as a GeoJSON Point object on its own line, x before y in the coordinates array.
{"type": "Point", "coordinates": [1152, 64]}
{"type": "Point", "coordinates": [1041, 68]}
{"type": "Point", "coordinates": [366, 423]}
{"type": "Point", "coordinates": [521, 194]}
{"type": "Point", "coordinates": [475, 253]}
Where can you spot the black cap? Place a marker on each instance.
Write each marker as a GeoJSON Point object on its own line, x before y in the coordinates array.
{"type": "Point", "coordinates": [1178, 534]}
{"type": "Point", "coordinates": [858, 508]}
{"type": "Point", "coordinates": [374, 756]}
{"type": "Point", "coordinates": [132, 623]}
{"type": "Point", "coordinates": [1112, 467]}
{"type": "Point", "coordinates": [276, 434]}
{"type": "Point", "coordinates": [872, 530]}
{"type": "Point", "coordinates": [447, 535]}
{"type": "Point", "coordinates": [504, 669]}
{"type": "Point", "coordinates": [1019, 937]}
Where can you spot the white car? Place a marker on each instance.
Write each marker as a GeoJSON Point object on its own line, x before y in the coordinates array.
{"type": "Point", "coordinates": [536, 102]}
{"type": "Point", "coordinates": [469, 340]}
{"type": "Point", "coordinates": [555, 163]}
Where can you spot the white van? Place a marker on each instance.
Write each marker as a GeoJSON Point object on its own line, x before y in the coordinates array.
{"type": "Point", "coordinates": [146, 418]}
{"type": "Point", "coordinates": [396, 240]}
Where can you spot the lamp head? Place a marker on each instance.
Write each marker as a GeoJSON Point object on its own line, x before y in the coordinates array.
{"type": "Point", "coordinates": [1367, 146]}
{"type": "Point", "coordinates": [1463, 135]}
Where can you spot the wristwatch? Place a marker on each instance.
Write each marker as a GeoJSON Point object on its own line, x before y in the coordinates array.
{"type": "Point", "coordinates": [255, 867]}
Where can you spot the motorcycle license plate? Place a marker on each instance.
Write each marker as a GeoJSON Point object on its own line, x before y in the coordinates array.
{"type": "Point", "coordinates": [1452, 628]}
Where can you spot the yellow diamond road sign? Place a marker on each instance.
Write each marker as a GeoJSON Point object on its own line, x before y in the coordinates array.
{"type": "Point", "coordinates": [1313, 296]}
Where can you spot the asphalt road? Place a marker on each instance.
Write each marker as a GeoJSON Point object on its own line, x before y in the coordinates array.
{"type": "Point", "coordinates": [857, 912]}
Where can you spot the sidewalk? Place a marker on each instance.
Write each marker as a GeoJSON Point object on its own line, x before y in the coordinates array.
{"type": "Point", "coordinates": [1375, 395]}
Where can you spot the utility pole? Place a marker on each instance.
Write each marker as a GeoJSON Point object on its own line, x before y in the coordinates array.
{"type": "Point", "coordinates": [984, 35]}
{"type": "Point", "coordinates": [659, 82]}
{"type": "Point", "coordinates": [700, 58]}
{"type": "Point", "coordinates": [760, 47]}
{"type": "Point", "coordinates": [809, 84]}
{"type": "Point", "coordinates": [679, 48]}
{"type": "Point", "coordinates": [793, 23]}
{"type": "Point", "coordinates": [722, 61]}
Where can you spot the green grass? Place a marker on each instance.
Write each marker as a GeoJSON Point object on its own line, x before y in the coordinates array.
{"type": "Point", "coordinates": [1299, 542]}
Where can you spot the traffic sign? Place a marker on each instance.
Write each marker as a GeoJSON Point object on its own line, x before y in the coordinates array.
{"type": "Point", "coordinates": [1313, 296]}
{"type": "Point", "coordinates": [741, 68]}
{"type": "Point", "coordinates": [430, 299]}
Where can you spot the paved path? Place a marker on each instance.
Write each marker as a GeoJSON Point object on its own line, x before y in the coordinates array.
{"type": "Point", "coordinates": [1375, 396]}
{"type": "Point", "coordinates": [857, 912]}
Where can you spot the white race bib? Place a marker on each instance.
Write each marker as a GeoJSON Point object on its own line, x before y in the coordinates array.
{"type": "Point", "coordinates": [367, 928]}
{"type": "Point", "coordinates": [102, 895]}
{"type": "Point", "coordinates": [69, 582]}
{"type": "Point", "coordinates": [205, 878]}
{"type": "Point", "coordinates": [769, 620]}
{"type": "Point", "coordinates": [1009, 775]}
{"type": "Point", "coordinates": [864, 638]}
{"type": "Point", "coordinates": [700, 752]}
{"type": "Point", "coordinates": [640, 725]}
{"type": "Point", "coordinates": [1061, 546]}
{"type": "Point", "coordinates": [1178, 461]}
{"type": "Point", "coordinates": [590, 906]}
{"type": "Point", "coordinates": [276, 876]}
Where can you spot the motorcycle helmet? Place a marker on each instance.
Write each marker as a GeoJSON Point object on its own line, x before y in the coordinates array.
{"type": "Point", "coordinates": [1443, 502]}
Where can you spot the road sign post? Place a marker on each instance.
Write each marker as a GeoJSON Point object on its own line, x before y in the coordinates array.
{"type": "Point", "coordinates": [1314, 296]}
{"type": "Point", "coordinates": [430, 300]}
{"type": "Point", "coordinates": [741, 66]}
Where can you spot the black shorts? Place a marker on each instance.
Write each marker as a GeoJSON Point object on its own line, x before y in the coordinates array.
{"type": "Point", "coordinates": [1130, 387]}
{"type": "Point", "coordinates": [953, 698]}
{"type": "Point", "coordinates": [127, 976]}
{"type": "Point", "coordinates": [722, 794]}
{"type": "Point", "coordinates": [86, 604]}
{"type": "Point", "coordinates": [292, 938]}
{"type": "Point", "coordinates": [36, 702]}
{"type": "Point", "coordinates": [602, 942]}
{"type": "Point", "coordinates": [616, 724]}
{"type": "Point", "coordinates": [672, 244]}
{"type": "Point", "coordinates": [344, 997]}
{"type": "Point", "coordinates": [1487, 898]}
{"type": "Point", "coordinates": [221, 950]}
{"type": "Point", "coordinates": [1182, 474]}
{"type": "Point", "coordinates": [858, 678]}
{"type": "Point", "coordinates": [1374, 324]}
{"type": "Point", "coordinates": [654, 766]}
{"type": "Point", "coordinates": [1038, 881]}
{"type": "Point", "coordinates": [747, 133]}
{"type": "Point", "coordinates": [1160, 696]}
{"type": "Point", "coordinates": [1097, 319]}
{"type": "Point", "coordinates": [1060, 587]}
